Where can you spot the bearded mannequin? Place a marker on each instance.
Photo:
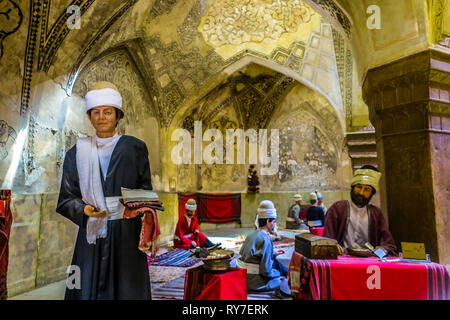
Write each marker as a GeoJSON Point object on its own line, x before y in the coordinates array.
{"type": "Point", "coordinates": [355, 222]}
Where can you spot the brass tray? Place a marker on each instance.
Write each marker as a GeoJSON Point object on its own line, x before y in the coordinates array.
{"type": "Point", "coordinates": [360, 252]}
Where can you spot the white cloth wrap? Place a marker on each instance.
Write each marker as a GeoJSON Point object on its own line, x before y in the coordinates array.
{"type": "Point", "coordinates": [357, 227]}
{"type": "Point", "coordinates": [265, 214]}
{"type": "Point", "coordinates": [115, 208]}
{"type": "Point", "coordinates": [191, 207]}
{"type": "Point", "coordinates": [252, 268]}
{"type": "Point", "coordinates": [92, 191]}
{"type": "Point", "coordinates": [103, 97]}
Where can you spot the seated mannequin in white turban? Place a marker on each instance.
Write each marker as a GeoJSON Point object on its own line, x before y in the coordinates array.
{"type": "Point", "coordinates": [294, 218]}
{"type": "Point", "coordinates": [315, 214]}
{"type": "Point", "coordinates": [320, 202]}
{"type": "Point", "coordinates": [264, 271]}
{"type": "Point", "coordinates": [187, 231]}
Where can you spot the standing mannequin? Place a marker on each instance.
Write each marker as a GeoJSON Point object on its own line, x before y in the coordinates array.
{"type": "Point", "coordinates": [106, 250]}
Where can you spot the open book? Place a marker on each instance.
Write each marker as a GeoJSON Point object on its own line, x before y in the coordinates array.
{"type": "Point", "coordinates": [131, 195]}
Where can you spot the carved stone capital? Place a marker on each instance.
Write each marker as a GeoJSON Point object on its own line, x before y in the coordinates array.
{"type": "Point", "coordinates": [405, 95]}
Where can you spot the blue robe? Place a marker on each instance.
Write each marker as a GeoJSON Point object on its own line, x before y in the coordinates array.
{"type": "Point", "coordinates": [258, 249]}
{"type": "Point", "coordinates": [114, 267]}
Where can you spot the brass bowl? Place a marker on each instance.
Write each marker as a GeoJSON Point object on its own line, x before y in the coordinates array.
{"type": "Point", "coordinates": [218, 263]}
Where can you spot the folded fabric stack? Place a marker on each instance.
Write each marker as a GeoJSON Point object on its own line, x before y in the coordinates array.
{"type": "Point", "coordinates": [140, 198]}
{"type": "Point", "coordinates": [144, 203]}
{"type": "Point", "coordinates": [157, 205]}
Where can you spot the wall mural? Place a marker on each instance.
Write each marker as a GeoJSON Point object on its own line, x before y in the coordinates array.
{"type": "Point", "coordinates": [7, 138]}
{"type": "Point", "coordinates": [10, 20]}
{"type": "Point", "coordinates": [161, 7]}
{"type": "Point", "coordinates": [308, 158]}
{"type": "Point", "coordinates": [245, 100]}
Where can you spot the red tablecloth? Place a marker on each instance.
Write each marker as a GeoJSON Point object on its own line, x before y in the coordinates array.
{"type": "Point", "coordinates": [317, 231]}
{"type": "Point", "coordinates": [354, 278]}
{"type": "Point", "coordinates": [204, 285]}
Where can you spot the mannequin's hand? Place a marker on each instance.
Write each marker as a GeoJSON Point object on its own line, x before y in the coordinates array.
{"type": "Point", "coordinates": [340, 250]}
{"type": "Point", "coordinates": [90, 211]}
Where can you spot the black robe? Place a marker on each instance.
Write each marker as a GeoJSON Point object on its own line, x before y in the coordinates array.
{"type": "Point", "coordinates": [114, 267]}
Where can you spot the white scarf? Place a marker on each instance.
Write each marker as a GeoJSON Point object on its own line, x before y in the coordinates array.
{"type": "Point", "coordinates": [105, 148]}
{"type": "Point", "coordinates": [91, 187]}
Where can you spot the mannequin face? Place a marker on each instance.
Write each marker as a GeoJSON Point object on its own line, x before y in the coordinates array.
{"type": "Point", "coordinates": [104, 119]}
{"type": "Point", "coordinates": [190, 213]}
{"type": "Point", "coordinates": [271, 225]}
{"type": "Point", "coordinates": [361, 194]}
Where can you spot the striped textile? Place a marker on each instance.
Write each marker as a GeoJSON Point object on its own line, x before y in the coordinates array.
{"type": "Point", "coordinates": [173, 258]}
{"type": "Point", "coordinates": [438, 282]}
{"type": "Point", "coordinates": [321, 278]}
{"type": "Point", "coordinates": [163, 292]}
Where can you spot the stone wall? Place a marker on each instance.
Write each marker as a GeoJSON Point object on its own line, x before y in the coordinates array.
{"type": "Point", "coordinates": [41, 242]}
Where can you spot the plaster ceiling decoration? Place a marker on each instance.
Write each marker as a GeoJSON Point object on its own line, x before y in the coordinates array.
{"type": "Point", "coordinates": [235, 22]}
{"type": "Point", "coordinates": [252, 92]}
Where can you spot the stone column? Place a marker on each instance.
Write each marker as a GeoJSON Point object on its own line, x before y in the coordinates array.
{"type": "Point", "coordinates": [409, 105]}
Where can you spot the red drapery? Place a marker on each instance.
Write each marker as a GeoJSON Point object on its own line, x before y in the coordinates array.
{"type": "Point", "coordinates": [213, 208]}
{"type": "Point", "coordinates": [204, 285]}
{"type": "Point", "coordinates": [5, 229]}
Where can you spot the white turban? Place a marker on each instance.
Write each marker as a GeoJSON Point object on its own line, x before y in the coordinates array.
{"type": "Point", "coordinates": [266, 210]}
{"type": "Point", "coordinates": [191, 205]}
{"type": "Point", "coordinates": [103, 94]}
{"type": "Point", "coordinates": [312, 196]}
{"type": "Point", "coordinates": [298, 197]}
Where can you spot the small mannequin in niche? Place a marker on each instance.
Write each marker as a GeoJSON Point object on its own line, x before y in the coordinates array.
{"type": "Point", "coordinates": [252, 180]}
